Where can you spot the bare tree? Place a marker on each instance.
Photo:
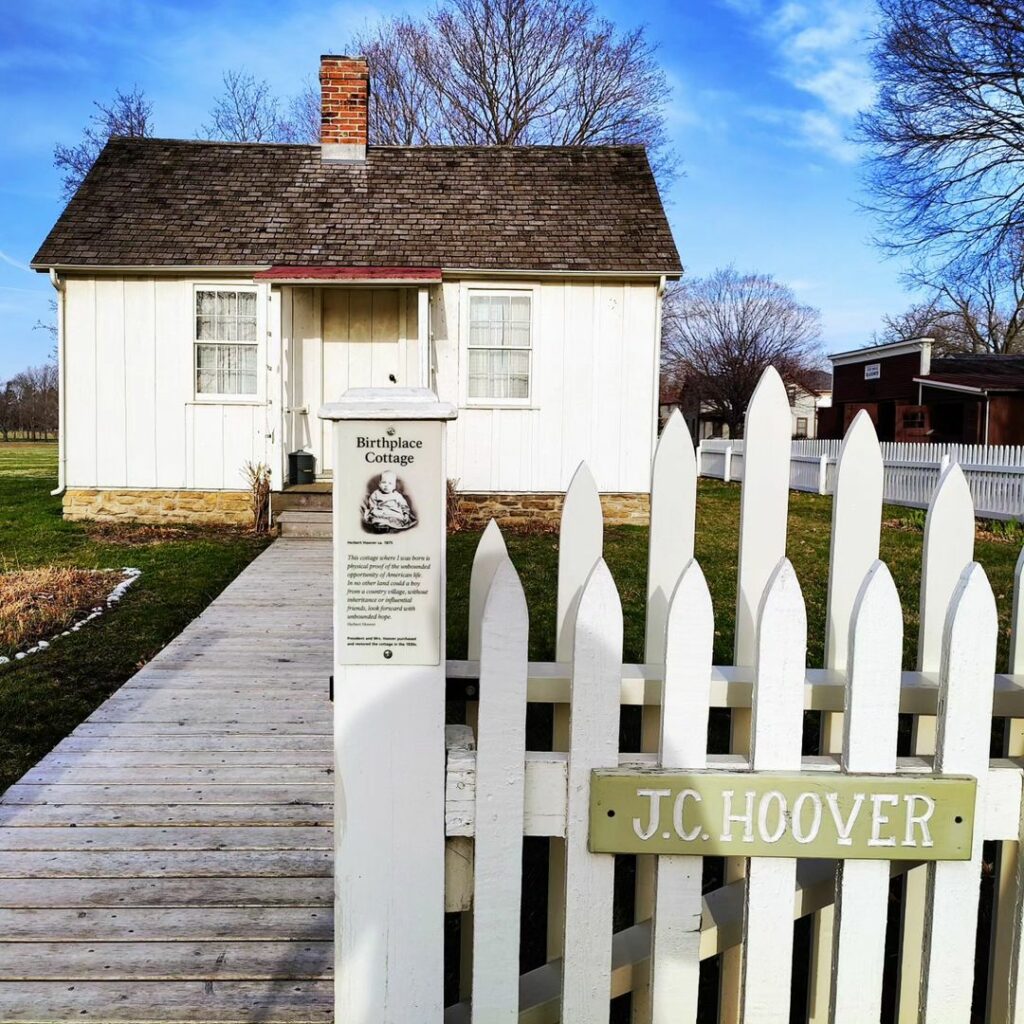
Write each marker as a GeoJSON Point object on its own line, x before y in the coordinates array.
{"type": "Point", "coordinates": [304, 113]}
{"type": "Point", "coordinates": [947, 133]}
{"type": "Point", "coordinates": [127, 114]}
{"type": "Point", "coordinates": [516, 72]}
{"type": "Point", "coordinates": [28, 403]}
{"type": "Point", "coordinates": [247, 111]}
{"type": "Point", "coordinates": [719, 333]}
{"type": "Point", "coordinates": [980, 314]}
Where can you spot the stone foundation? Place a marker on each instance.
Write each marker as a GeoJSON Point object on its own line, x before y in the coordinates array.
{"type": "Point", "coordinates": [542, 511]}
{"type": "Point", "coordinates": [158, 506]}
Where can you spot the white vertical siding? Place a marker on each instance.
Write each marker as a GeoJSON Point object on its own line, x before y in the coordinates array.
{"type": "Point", "coordinates": [593, 391]}
{"type": "Point", "coordinates": [111, 406]}
{"type": "Point", "coordinates": [140, 370]}
{"type": "Point", "coordinates": [132, 418]}
{"type": "Point", "coordinates": [80, 397]}
{"type": "Point", "coordinates": [133, 421]}
{"type": "Point", "coordinates": [173, 384]}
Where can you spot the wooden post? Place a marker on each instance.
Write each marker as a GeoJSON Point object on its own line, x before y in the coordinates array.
{"type": "Point", "coordinates": [389, 672]}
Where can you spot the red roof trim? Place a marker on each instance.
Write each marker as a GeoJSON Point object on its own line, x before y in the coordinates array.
{"type": "Point", "coordinates": [411, 274]}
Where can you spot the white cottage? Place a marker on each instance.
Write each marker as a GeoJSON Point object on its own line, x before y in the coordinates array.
{"type": "Point", "coordinates": [211, 296]}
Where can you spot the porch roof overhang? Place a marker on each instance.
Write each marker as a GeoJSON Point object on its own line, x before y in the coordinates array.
{"type": "Point", "coordinates": [350, 275]}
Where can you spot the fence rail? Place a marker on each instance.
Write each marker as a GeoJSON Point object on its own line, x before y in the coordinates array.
{"type": "Point", "coordinates": [994, 473]}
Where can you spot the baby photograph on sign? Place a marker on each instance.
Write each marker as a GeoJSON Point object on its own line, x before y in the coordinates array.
{"type": "Point", "coordinates": [386, 507]}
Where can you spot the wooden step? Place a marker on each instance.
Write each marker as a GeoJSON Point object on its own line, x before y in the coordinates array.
{"type": "Point", "coordinates": [304, 523]}
{"type": "Point", "coordinates": [313, 498]}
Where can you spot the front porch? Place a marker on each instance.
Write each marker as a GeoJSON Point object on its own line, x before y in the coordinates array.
{"type": "Point", "coordinates": [341, 330]}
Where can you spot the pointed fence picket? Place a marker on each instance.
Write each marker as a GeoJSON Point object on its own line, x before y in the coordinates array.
{"type": "Point", "coordinates": [962, 745]}
{"type": "Point", "coordinates": [776, 738]}
{"type": "Point", "coordinates": [947, 550]}
{"type": "Point", "coordinates": [594, 743]}
{"type": "Point", "coordinates": [869, 746]}
{"type": "Point", "coordinates": [685, 702]}
{"type": "Point", "coordinates": [673, 515]}
{"type": "Point", "coordinates": [502, 790]}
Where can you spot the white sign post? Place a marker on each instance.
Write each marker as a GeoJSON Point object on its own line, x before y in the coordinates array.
{"type": "Point", "coordinates": [389, 688]}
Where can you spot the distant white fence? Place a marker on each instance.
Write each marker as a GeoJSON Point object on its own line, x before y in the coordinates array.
{"type": "Point", "coordinates": [498, 790]}
{"type": "Point", "coordinates": [995, 473]}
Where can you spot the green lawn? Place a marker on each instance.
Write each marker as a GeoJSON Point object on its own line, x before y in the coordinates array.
{"type": "Point", "coordinates": [535, 557]}
{"type": "Point", "coordinates": [47, 695]}
{"type": "Point", "coordinates": [44, 697]}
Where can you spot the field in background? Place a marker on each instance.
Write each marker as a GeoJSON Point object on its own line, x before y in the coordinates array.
{"type": "Point", "coordinates": [44, 697]}
{"type": "Point", "coordinates": [717, 540]}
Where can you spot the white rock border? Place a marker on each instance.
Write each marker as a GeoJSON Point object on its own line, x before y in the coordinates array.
{"type": "Point", "coordinates": [129, 576]}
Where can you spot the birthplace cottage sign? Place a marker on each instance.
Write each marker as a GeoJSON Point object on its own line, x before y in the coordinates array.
{"type": "Point", "coordinates": [389, 695]}
{"type": "Point", "coordinates": [388, 526]}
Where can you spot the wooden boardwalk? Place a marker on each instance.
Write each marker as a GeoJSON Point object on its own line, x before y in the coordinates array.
{"type": "Point", "coordinates": [171, 859]}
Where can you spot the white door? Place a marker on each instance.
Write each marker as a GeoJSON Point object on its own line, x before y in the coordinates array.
{"type": "Point", "coordinates": [363, 346]}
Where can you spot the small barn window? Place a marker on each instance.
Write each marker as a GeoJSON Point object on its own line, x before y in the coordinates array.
{"type": "Point", "coordinates": [500, 338]}
{"type": "Point", "coordinates": [225, 337]}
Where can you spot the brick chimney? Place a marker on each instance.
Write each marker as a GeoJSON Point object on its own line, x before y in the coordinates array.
{"type": "Point", "coordinates": [344, 102]}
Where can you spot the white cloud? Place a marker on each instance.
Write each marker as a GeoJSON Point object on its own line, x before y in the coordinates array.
{"type": "Point", "coordinates": [12, 262]}
{"type": "Point", "coordinates": [822, 51]}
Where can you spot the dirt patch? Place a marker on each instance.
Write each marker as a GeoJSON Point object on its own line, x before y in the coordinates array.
{"type": "Point", "coordinates": [145, 534]}
{"type": "Point", "coordinates": [35, 604]}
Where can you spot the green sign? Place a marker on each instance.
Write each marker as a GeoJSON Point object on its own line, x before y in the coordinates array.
{"type": "Point", "coordinates": [779, 814]}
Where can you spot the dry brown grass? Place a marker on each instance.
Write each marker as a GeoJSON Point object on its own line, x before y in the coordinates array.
{"type": "Point", "coordinates": [144, 534]}
{"type": "Point", "coordinates": [35, 604]}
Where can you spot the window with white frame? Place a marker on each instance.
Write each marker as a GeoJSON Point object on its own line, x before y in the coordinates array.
{"type": "Point", "coordinates": [225, 341]}
{"type": "Point", "coordinates": [500, 340]}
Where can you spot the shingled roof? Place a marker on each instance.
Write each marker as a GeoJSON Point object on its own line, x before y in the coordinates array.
{"type": "Point", "coordinates": [162, 202]}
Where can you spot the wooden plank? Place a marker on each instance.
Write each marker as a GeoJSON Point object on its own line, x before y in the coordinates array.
{"type": "Point", "coordinates": [115, 742]}
{"type": "Point", "coordinates": [180, 1002]}
{"type": "Point", "coordinates": [176, 758]}
{"type": "Point", "coordinates": [163, 775]}
{"type": "Point", "coordinates": [167, 838]}
{"type": "Point", "coordinates": [871, 725]}
{"type": "Point", "coordinates": [781, 657]}
{"type": "Point", "coordinates": [185, 814]}
{"type": "Point", "coordinates": [164, 863]}
{"type": "Point", "coordinates": [969, 654]}
{"type": "Point", "coordinates": [504, 638]}
{"type": "Point", "coordinates": [594, 732]}
{"type": "Point", "coordinates": [165, 924]}
{"type": "Point", "coordinates": [688, 646]}
{"type": "Point", "coordinates": [181, 794]}
{"type": "Point", "coordinates": [166, 892]}
{"type": "Point", "coordinates": [136, 961]}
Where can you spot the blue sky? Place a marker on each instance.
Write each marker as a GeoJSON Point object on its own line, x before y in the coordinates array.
{"type": "Point", "coordinates": [764, 96]}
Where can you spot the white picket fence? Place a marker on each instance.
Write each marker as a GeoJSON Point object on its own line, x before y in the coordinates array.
{"type": "Point", "coordinates": [497, 790]}
{"type": "Point", "coordinates": [995, 473]}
